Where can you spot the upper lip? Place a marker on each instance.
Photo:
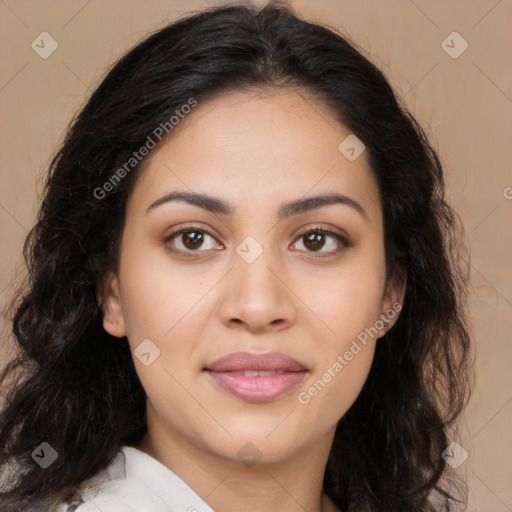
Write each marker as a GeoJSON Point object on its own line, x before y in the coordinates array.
{"type": "Point", "coordinates": [241, 361]}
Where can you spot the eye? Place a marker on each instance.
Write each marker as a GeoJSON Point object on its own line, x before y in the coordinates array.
{"type": "Point", "coordinates": [191, 239]}
{"type": "Point", "coordinates": [318, 238]}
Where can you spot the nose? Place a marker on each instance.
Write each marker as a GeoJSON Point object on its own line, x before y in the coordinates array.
{"type": "Point", "coordinates": [256, 296]}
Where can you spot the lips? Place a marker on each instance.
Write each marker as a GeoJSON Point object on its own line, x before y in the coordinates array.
{"type": "Point", "coordinates": [245, 361]}
{"type": "Point", "coordinates": [256, 377]}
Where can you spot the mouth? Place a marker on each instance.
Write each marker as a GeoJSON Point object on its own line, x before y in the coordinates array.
{"type": "Point", "coordinates": [256, 377]}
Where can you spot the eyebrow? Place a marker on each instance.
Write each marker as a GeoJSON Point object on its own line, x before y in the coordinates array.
{"type": "Point", "coordinates": [286, 210]}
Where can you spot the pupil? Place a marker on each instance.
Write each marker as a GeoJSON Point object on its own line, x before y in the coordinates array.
{"type": "Point", "coordinates": [195, 238]}
{"type": "Point", "coordinates": [316, 241]}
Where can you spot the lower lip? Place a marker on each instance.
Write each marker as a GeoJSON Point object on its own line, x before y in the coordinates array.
{"type": "Point", "coordinates": [257, 389]}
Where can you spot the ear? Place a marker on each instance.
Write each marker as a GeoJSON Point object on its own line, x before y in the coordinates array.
{"type": "Point", "coordinates": [393, 300]}
{"type": "Point", "coordinates": [111, 306]}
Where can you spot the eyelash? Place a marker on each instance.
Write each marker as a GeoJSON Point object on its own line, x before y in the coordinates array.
{"type": "Point", "coordinates": [340, 238]}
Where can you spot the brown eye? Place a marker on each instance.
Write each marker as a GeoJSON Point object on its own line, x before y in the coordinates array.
{"type": "Point", "coordinates": [316, 239]}
{"type": "Point", "coordinates": [191, 239]}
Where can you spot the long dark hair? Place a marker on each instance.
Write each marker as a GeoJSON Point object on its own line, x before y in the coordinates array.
{"type": "Point", "coordinates": [74, 386]}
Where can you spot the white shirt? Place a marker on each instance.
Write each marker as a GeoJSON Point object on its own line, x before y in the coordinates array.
{"type": "Point", "coordinates": [136, 482]}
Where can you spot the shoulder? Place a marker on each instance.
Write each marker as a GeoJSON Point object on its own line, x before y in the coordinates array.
{"type": "Point", "coordinates": [135, 482]}
{"type": "Point", "coordinates": [111, 505]}
{"type": "Point", "coordinates": [112, 490]}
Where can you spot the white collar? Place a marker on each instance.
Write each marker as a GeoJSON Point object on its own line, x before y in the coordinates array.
{"type": "Point", "coordinates": [137, 480]}
{"type": "Point", "coordinates": [162, 481]}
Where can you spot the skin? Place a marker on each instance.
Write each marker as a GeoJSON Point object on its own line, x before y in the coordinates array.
{"type": "Point", "coordinates": [254, 149]}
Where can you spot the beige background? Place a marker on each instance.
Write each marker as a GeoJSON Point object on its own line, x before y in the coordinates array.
{"type": "Point", "coordinates": [464, 103]}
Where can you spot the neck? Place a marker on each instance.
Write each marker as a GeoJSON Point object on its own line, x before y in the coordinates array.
{"type": "Point", "coordinates": [294, 484]}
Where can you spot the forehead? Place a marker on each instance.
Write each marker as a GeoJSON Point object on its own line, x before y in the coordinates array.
{"type": "Point", "coordinates": [258, 147]}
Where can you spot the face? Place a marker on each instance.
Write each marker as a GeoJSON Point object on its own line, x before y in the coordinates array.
{"type": "Point", "coordinates": [259, 268]}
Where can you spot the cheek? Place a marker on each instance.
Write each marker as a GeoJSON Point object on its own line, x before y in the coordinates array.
{"type": "Point", "coordinates": [340, 385]}
{"type": "Point", "coordinates": [166, 305]}
{"type": "Point", "coordinates": [349, 300]}
{"type": "Point", "coordinates": [157, 297]}
{"type": "Point", "coordinates": [344, 362]}
{"type": "Point", "coordinates": [349, 306]}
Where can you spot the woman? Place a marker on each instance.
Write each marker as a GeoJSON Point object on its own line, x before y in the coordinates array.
{"type": "Point", "coordinates": [242, 287]}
